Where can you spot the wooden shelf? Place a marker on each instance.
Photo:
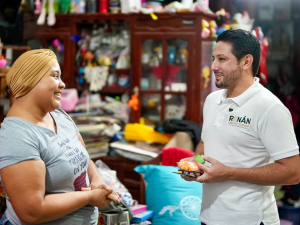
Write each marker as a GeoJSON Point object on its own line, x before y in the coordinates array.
{"type": "Point", "coordinates": [20, 48]}
{"type": "Point", "coordinates": [3, 72]}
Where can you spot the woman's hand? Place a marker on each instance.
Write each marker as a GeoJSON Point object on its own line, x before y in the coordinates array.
{"type": "Point", "coordinates": [98, 197]}
{"type": "Point", "coordinates": [113, 196]}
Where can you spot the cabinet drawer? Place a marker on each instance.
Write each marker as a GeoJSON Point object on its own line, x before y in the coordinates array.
{"type": "Point", "coordinates": [168, 24]}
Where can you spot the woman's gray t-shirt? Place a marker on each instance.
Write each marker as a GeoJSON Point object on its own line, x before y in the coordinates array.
{"type": "Point", "coordinates": [65, 158]}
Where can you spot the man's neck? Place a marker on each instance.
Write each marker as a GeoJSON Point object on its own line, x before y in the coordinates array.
{"type": "Point", "coordinates": [239, 87]}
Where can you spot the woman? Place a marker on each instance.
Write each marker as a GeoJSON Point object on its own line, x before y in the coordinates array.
{"type": "Point", "coordinates": [44, 166]}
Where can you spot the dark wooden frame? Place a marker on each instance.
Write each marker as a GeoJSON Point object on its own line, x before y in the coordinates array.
{"type": "Point", "coordinates": [186, 25]}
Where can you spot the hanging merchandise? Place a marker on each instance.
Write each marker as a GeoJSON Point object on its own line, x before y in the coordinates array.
{"type": "Point", "coordinates": [72, 6]}
{"type": "Point", "coordinates": [262, 73]}
{"type": "Point", "coordinates": [9, 57]}
{"type": "Point", "coordinates": [51, 14]}
{"type": "Point", "coordinates": [205, 77]}
{"type": "Point", "coordinates": [58, 44]}
{"type": "Point", "coordinates": [103, 6]}
{"type": "Point", "coordinates": [128, 6]}
{"type": "Point", "coordinates": [114, 6]}
{"type": "Point", "coordinates": [96, 76]}
{"type": "Point", "coordinates": [171, 55]}
{"type": "Point", "coordinates": [80, 75]}
{"type": "Point", "coordinates": [38, 6]}
{"type": "Point", "coordinates": [203, 5]}
{"type": "Point", "coordinates": [91, 6]}
{"type": "Point", "coordinates": [134, 102]}
{"type": "Point", "coordinates": [81, 6]}
{"type": "Point", "coordinates": [65, 6]}
{"type": "Point", "coordinates": [125, 98]}
{"type": "Point", "coordinates": [123, 80]}
{"type": "Point", "coordinates": [2, 61]}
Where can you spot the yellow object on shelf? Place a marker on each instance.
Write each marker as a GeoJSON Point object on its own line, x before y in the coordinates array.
{"type": "Point", "coordinates": [140, 132]}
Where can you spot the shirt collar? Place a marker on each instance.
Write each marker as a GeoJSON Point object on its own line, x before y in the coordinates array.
{"type": "Point", "coordinates": [242, 98]}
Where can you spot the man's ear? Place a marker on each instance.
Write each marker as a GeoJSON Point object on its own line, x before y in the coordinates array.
{"type": "Point", "coordinates": [247, 62]}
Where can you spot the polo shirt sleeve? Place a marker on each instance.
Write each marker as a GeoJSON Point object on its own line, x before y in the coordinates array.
{"type": "Point", "coordinates": [276, 132]}
{"type": "Point", "coordinates": [17, 145]}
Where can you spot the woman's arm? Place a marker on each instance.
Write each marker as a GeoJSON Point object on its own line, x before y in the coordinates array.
{"type": "Point", "coordinates": [95, 178]}
{"type": "Point", "coordinates": [24, 183]}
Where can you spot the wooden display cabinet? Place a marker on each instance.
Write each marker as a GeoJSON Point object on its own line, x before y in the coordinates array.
{"type": "Point", "coordinates": [167, 89]}
{"type": "Point", "coordinates": [167, 66]}
{"type": "Point", "coordinates": [86, 23]}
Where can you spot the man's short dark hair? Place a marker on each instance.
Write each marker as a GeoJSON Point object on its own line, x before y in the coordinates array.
{"type": "Point", "coordinates": [243, 43]}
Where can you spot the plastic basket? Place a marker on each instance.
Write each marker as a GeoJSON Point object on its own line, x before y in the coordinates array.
{"type": "Point", "coordinates": [289, 213]}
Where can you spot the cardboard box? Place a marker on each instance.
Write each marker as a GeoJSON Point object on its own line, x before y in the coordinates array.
{"type": "Point", "coordinates": [114, 219]}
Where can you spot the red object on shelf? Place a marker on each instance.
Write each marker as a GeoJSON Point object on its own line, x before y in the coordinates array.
{"type": "Point", "coordinates": [170, 156]}
{"type": "Point", "coordinates": [103, 6]}
{"type": "Point", "coordinates": [264, 45]}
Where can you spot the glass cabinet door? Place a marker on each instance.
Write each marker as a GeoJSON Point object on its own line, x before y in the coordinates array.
{"type": "Point", "coordinates": [175, 106]}
{"type": "Point", "coordinates": [177, 64]}
{"type": "Point", "coordinates": [151, 107]}
{"type": "Point", "coordinates": [207, 80]}
{"type": "Point", "coordinates": [151, 59]}
{"type": "Point", "coordinates": [164, 79]}
{"type": "Point", "coordinates": [57, 46]}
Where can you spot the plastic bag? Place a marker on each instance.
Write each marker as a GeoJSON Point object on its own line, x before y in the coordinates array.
{"type": "Point", "coordinates": [114, 207]}
{"type": "Point", "coordinates": [111, 180]}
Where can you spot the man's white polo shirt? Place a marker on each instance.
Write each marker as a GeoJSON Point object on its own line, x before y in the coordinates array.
{"type": "Point", "coordinates": [251, 130]}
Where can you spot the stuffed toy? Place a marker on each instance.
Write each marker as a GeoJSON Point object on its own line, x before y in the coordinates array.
{"type": "Point", "coordinates": [51, 14]}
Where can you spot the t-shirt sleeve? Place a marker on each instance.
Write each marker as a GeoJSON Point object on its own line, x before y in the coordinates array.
{"type": "Point", "coordinates": [69, 118]}
{"type": "Point", "coordinates": [17, 145]}
{"type": "Point", "coordinates": [277, 132]}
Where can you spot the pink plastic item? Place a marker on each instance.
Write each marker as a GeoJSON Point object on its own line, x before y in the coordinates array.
{"type": "Point", "coordinates": [69, 99]}
{"type": "Point", "coordinates": [138, 208]}
{"type": "Point", "coordinates": [2, 63]}
{"type": "Point", "coordinates": [38, 6]}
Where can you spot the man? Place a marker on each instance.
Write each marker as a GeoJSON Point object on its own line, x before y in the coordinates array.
{"type": "Point", "coordinates": [247, 137]}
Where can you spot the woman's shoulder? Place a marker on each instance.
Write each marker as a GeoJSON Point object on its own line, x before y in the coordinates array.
{"type": "Point", "coordinates": [60, 113]}
{"type": "Point", "coordinates": [17, 131]}
{"type": "Point", "coordinates": [15, 126]}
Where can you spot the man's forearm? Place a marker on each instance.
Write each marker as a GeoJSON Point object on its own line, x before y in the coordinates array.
{"type": "Point", "coordinates": [282, 172]}
{"type": "Point", "coordinates": [199, 149]}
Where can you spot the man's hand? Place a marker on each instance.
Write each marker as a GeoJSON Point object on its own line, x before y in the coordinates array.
{"type": "Point", "coordinates": [215, 173]}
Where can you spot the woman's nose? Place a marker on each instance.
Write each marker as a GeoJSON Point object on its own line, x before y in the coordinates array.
{"type": "Point", "coordinates": [62, 84]}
